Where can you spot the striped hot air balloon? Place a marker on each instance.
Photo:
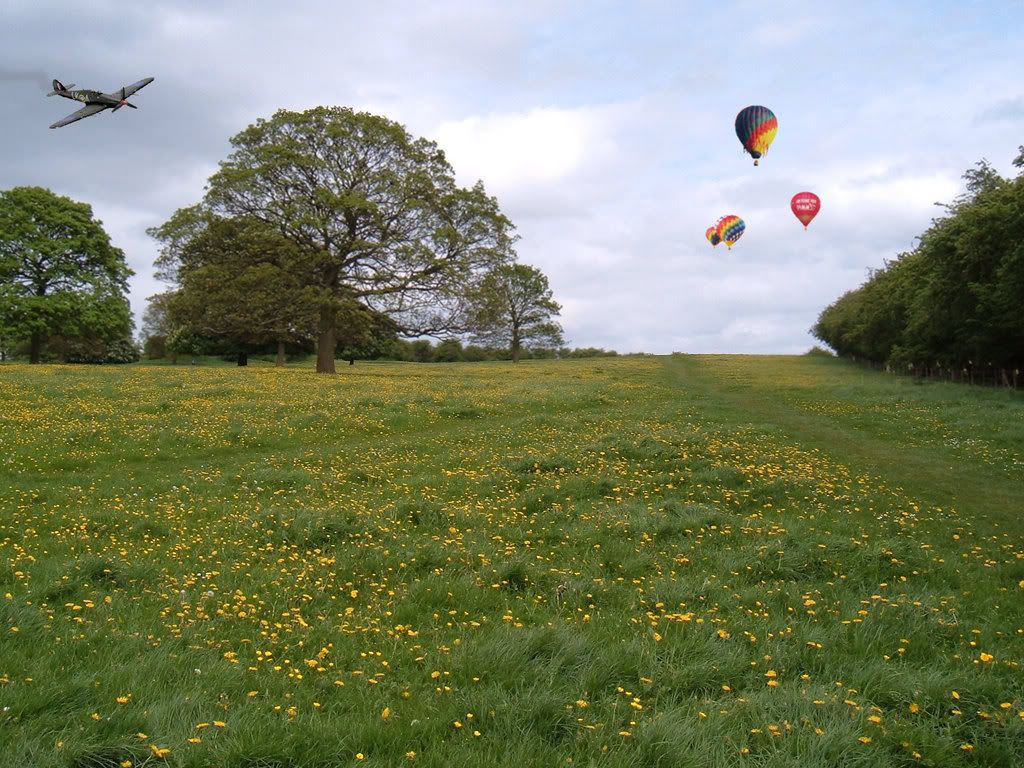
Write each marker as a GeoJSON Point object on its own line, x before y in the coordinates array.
{"type": "Point", "coordinates": [712, 235]}
{"type": "Point", "coordinates": [756, 128]}
{"type": "Point", "coordinates": [730, 229]}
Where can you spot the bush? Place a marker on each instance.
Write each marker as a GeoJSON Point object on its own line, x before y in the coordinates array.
{"type": "Point", "coordinates": [422, 351]}
{"type": "Point", "coordinates": [448, 351]}
{"type": "Point", "coordinates": [475, 354]}
{"type": "Point", "coordinates": [581, 352]}
{"type": "Point", "coordinates": [91, 351]}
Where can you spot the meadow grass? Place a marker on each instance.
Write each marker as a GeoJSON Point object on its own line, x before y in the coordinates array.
{"type": "Point", "coordinates": [685, 561]}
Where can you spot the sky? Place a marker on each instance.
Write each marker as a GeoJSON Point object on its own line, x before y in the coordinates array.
{"type": "Point", "coordinates": [604, 129]}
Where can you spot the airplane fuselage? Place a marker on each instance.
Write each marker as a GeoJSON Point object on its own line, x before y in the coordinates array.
{"type": "Point", "coordinates": [91, 97]}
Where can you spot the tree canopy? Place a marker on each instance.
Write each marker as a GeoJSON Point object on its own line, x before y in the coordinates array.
{"type": "Point", "coordinates": [374, 214]}
{"type": "Point", "coordinates": [59, 274]}
{"type": "Point", "coordinates": [512, 305]}
{"type": "Point", "coordinates": [954, 301]}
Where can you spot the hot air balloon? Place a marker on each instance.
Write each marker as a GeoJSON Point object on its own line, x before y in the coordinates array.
{"type": "Point", "coordinates": [756, 127]}
{"type": "Point", "coordinates": [712, 235]}
{"type": "Point", "coordinates": [805, 206]}
{"type": "Point", "coordinates": [730, 229]}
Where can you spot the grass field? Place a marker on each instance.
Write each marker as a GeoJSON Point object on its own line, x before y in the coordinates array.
{"type": "Point", "coordinates": [685, 561]}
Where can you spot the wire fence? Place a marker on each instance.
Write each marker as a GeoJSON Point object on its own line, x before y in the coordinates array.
{"type": "Point", "coordinates": [983, 376]}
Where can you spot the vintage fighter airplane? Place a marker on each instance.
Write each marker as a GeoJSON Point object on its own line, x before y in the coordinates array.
{"type": "Point", "coordinates": [95, 101]}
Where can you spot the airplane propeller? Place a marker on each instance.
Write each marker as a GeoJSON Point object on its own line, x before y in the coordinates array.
{"type": "Point", "coordinates": [124, 102]}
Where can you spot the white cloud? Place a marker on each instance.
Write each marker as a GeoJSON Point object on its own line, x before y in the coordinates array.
{"type": "Point", "coordinates": [541, 147]}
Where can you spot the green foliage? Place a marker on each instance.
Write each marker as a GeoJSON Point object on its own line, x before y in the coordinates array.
{"type": "Point", "coordinates": [817, 351]}
{"type": "Point", "coordinates": [96, 351]}
{"type": "Point", "coordinates": [448, 351]}
{"type": "Point", "coordinates": [422, 351]}
{"type": "Point", "coordinates": [581, 352]}
{"type": "Point", "coordinates": [952, 302]}
{"type": "Point", "coordinates": [157, 325]}
{"type": "Point", "coordinates": [242, 284]}
{"type": "Point", "coordinates": [154, 347]}
{"type": "Point", "coordinates": [512, 306]}
{"type": "Point", "coordinates": [59, 273]}
{"type": "Point", "coordinates": [363, 333]}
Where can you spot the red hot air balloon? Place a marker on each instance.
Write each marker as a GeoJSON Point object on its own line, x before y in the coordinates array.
{"type": "Point", "coordinates": [805, 206]}
{"type": "Point", "coordinates": [712, 235]}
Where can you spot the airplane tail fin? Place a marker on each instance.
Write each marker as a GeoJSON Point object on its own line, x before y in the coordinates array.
{"type": "Point", "coordinates": [59, 88]}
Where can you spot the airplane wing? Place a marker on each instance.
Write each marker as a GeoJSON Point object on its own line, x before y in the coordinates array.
{"type": "Point", "coordinates": [128, 90]}
{"type": "Point", "coordinates": [86, 111]}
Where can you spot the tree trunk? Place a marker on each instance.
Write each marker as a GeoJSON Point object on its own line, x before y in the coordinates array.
{"type": "Point", "coordinates": [174, 358]}
{"type": "Point", "coordinates": [515, 346]}
{"type": "Point", "coordinates": [279, 362]}
{"type": "Point", "coordinates": [327, 341]}
{"type": "Point", "coordinates": [243, 358]}
{"type": "Point", "coordinates": [35, 352]}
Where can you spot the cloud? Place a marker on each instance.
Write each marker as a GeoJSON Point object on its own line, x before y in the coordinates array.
{"type": "Point", "coordinates": [1003, 110]}
{"type": "Point", "coordinates": [541, 146]}
{"type": "Point", "coordinates": [545, 164]}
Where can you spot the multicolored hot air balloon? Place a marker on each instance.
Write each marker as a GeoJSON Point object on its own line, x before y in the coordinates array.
{"type": "Point", "coordinates": [756, 127]}
{"type": "Point", "coordinates": [730, 229]}
{"type": "Point", "coordinates": [712, 235]}
{"type": "Point", "coordinates": [805, 206]}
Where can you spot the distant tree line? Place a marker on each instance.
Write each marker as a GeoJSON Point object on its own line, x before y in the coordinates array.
{"type": "Point", "coordinates": [453, 351]}
{"type": "Point", "coordinates": [384, 348]}
{"type": "Point", "coordinates": [955, 301]}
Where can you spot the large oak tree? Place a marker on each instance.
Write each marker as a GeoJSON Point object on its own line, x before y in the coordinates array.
{"type": "Point", "coordinates": [59, 273]}
{"type": "Point", "coordinates": [376, 212]}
